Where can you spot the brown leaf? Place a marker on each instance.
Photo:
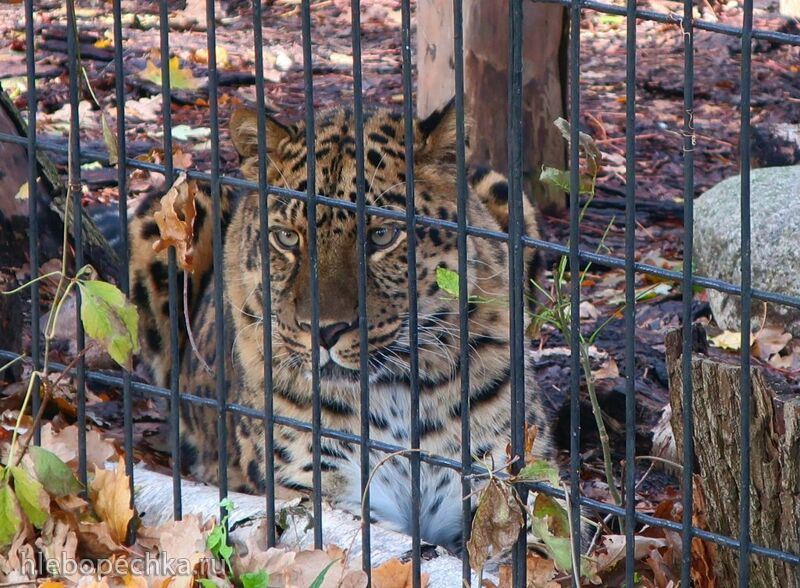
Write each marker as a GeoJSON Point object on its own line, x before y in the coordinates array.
{"type": "Point", "coordinates": [59, 542]}
{"type": "Point", "coordinates": [769, 341]}
{"type": "Point", "coordinates": [704, 553]}
{"type": "Point", "coordinates": [111, 497]}
{"type": "Point", "coordinates": [395, 574]}
{"type": "Point", "coordinates": [64, 443]}
{"type": "Point", "coordinates": [308, 565]}
{"type": "Point", "coordinates": [175, 221]}
{"type": "Point", "coordinates": [496, 524]}
{"type": "Point", "coordinates": [183, 540]}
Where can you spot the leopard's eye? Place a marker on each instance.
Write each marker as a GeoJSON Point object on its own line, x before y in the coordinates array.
{"type": "Point", "coordinates": [286, 239]}
{"type": "Point", "coordinates": [383, 237]}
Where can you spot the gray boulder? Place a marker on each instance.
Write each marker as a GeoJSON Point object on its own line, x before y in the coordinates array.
{"type": "Point", "coordinates": [775, 245]}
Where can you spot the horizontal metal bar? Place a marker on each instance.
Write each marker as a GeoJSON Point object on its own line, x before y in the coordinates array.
{"type": "Point", "coordinates": [555, 248]}
{"type": "Point", "coordinates": [713, 27]}
{"type": "Point", "coordinates": [452, 464]}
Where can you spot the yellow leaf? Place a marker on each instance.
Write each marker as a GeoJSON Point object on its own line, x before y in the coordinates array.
{"type": "Point", "coordinates": [51, 584]}
{"type": "Point", "coordinates": [179, 78]}
{"type": "Point", "coordinates": [111, 498]}
{"type": "Point", "coordinates": [731, 340]}
{"type": "Point", "coordinates": [102, 43]}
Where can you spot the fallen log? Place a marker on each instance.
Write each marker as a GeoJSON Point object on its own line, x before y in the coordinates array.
{"type": "Point", "coordinates": [774, 463]}
{"type": "Point", "coordinates": [154, 500]}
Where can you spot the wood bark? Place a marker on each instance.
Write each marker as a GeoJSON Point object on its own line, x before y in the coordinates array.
{"type": "Point", "coordinates": [486, 83]}
{"type": "Point", "coordinates": [50, 199]}
{"type": "Point", "coordinates": [774, 463]}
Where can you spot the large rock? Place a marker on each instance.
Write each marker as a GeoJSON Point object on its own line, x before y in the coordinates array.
{"type": "Point", "coordinates": [775, 245]}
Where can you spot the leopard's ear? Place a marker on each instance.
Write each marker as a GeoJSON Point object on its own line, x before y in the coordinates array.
{"type": "Point", "coordinates": [244, 132]}
{"type": "Point", "coordinates": [435, 135]}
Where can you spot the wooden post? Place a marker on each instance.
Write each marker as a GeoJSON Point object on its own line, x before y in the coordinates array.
{"type": "Point", "coordinates": [486, 83]}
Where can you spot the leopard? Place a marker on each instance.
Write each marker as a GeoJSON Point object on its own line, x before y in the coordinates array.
{"type": "Point", "coordinates": [389, 378]}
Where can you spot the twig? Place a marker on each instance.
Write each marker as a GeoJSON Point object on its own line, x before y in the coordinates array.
{"type": "Point", "coordinates": [188, 322]}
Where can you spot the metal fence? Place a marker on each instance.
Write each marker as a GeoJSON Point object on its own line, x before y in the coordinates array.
{"type": "Point", "coordinates": [515, 240]}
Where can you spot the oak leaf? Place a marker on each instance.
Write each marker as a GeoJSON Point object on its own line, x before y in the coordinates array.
{"type": "Point", "coordinates": [175, 221]}
{"type": "Point", "coordinates": [110, 494]}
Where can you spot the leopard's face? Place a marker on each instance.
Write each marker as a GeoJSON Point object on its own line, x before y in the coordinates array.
{"type": "Point", "coordinates": [386, 244]}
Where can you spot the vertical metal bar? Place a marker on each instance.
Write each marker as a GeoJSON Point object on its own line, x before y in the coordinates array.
{"type": "Point", "coordinates": [122, 194]}
{"type": "Point", "coordinates": [688, 290]}
{"type": "Point", "coordinates": [630, 293]}
{"type": "Point", "coordinates": [574, 271]}
{"type": "Point", "coordinates": [75, 193]}
{"type": "Point", "coordinates": [744, 146]}
{"type": "Point", "coordinates": [33, 199]}
{"type": "Point", "coordinates": [172, 273]}
{"type": "Point", "coordinates": [463, 292]}
{"type": "Point", "coordinates": [219, 308]}
{"type": "Point", "coordinates": [408, 116]}
{"type": "Point", "coordinates": [361, 252]}
{"type": "Point", "coordinates": [515, 270]}
{"type": "Point", "coordinates": [266, 290]}
{"type": "Point", "coordinates": [311, 170]}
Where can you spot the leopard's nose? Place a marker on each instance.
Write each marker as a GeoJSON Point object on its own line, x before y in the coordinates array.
{"type": "Point", "coordinates": [329, 335]}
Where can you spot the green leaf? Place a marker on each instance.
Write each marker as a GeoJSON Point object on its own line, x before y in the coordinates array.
{"type": "Point", "coordinates": [217, 544]}
{"type": "Point", "coordinates": [56, 476]}
{"type": "Point", "coordinates": [559, 547]}
{"type": "Point", "coordinates": [255, 579]}
{"type": "Point", "coordinates": [10, 519]}
{"type": "Point", "coordinates": [321, 577]}
{"type": "Point", "coordinates": [206, 583]}
{"type": "Point", "coordinates": [538, 470]}
{"type": "Point", "coordinates": [546, 506]}
{"type": "Point", "coordinates": [447, 280]}
{"type": "Point", "coordinates": [32, 497]}
{"type": "Point", "coordinates": [110, 319]}
{"type": "Point", "coordinates": [560, 179]}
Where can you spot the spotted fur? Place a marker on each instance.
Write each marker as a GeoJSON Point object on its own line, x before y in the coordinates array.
{"type": "Point", "coordinates": [387, 309]}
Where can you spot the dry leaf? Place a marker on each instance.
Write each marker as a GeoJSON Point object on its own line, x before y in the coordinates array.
{"type": "Point", "coordinates": [309, 565]}
{"type": "Point", "coordinates": [395, 574]}
{"type": "Point", "coordinates": [179, 78]}
{"type": "Point", "coordinates": [182, 540]}
{"type": "Point", "coordinates": [496, 524]}
{"type": "Point", "coordinates": [64, 444]}
{"type": "Point", "coordinates": [175, 221]}
{"type": "Point", "coordinates": [609, 370]}
{"type": "Point", "coordinates": [769, 341]}
{"type": "Point", "coordinates": [704, 553]}
{"type": "Point", "coordinates": [111, 497]}
{"type": "Point", "coordinates": [730, 340]}
{"type": "Point", "coordinates": [612, 549]}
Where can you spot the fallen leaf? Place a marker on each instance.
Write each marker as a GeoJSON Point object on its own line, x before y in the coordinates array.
{"type": "Point", "coordinates": [730, 340]}
{"type": "Point", "coordinates": [768, 341]}
{"type": "Point", "coordinates": [179, 78]}
{"type": "Point", "coordinates": [175, 221]}
{"type": "Point", "coordinates": [496, 525]}
{"type": "Point", "coordinates": [612, 549]}
{"type": "Point", "coordinates": [111, 498]}
{"type": "Point", "coordinates": [395, 574]}
{"type": "Point", "coordinates": [608, 370]}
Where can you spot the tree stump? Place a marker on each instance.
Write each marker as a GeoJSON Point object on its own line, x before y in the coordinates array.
{"type": "Point", "coordinates": [486, 83]}
{"type": "Point", "coordinates": [775, 460]}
